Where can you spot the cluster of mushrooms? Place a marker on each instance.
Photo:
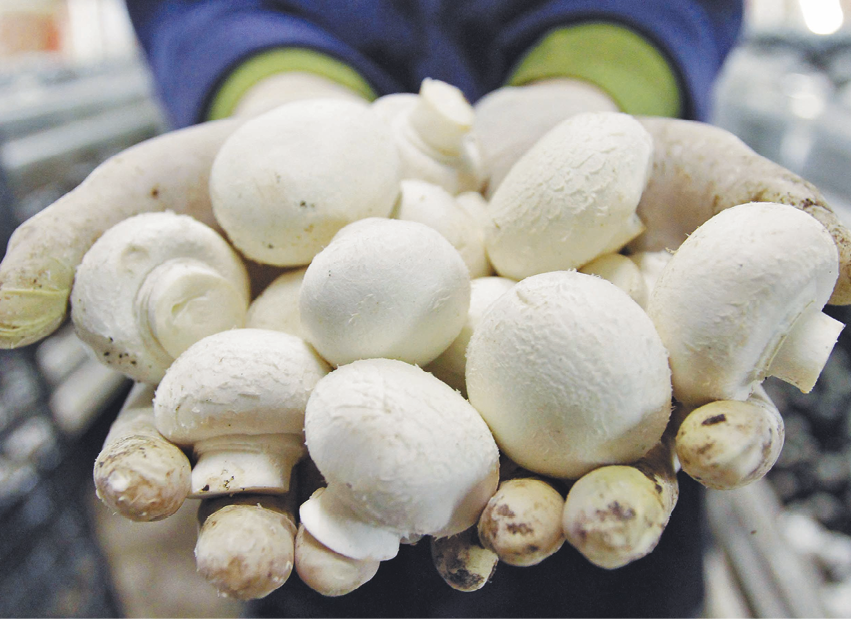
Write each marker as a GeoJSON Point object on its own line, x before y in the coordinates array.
{"type": "Point", "coordinates": [500, 363]}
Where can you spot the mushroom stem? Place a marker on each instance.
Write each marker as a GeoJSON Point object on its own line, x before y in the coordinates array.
{"type": "Point", "coordinates": [522, 522]}
{"type": "Point", "coordinates": [327, 572]}
{"type": "Point", "coordinates": [462, 561]}
{"type": "Point", "coordinates": [138, 473]}
{"type": "Point", "coordinates": [184, 300]}
{"type": "Point", "coordinates": [442, 117]}
{"type": "Point", "coordinates": [728, 444]}
{"type": "Point", "coordinates": [804, 351]}
{"type": "Point", "coordinates": [616, 514]}
{"type": "Point", "coordinates": [242, 462]}
{"type": "Point", "coordinates": [245, 546]}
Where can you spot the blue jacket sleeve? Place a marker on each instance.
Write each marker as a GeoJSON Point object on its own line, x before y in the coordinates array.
{"type": "Point", "coordinates": [192, 46]}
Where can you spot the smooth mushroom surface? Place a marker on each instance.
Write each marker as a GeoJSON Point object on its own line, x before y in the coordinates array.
{"type": "Point", "coordinates": [286, 181]}
{"type": "Point", "coordinates": [385, 288]}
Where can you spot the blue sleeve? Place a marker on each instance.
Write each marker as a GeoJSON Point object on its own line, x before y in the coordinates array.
{"type": "Point", "coordinates": [695, 35]}
{"type": "Point", "coordinates": [192, 46]}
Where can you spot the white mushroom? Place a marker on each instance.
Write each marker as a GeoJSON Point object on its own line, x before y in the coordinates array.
{"type": "Point", "coordinates": [239, 397]}
{"type": "Point", "coordinates": [451, 365]}
{"type": "Point", "coordinates": [435, 207]}
{"type": "Point", "coordinates": [569, 374]}
{"type": "Point", "coordinates": [622, 272]}
{"type": "Point", "coordinates": [385, 288]}
{"type": "Point", "coordinates": [286, 181]}
{"type": "Point", "coordinates": [434, 134]}
{"type": "Point", "coordinates": [138, 473]}
{"type": "Point", "coordinates": [276, 308]}
{"type": "Point", "coordinates": [153, 285]}
{"type": "Point", "coordinates": [404, 455]}
{"type": "Point", "coordinates": [651, 264]}
{"type": "Point", "coordinates": [741, 299]}
{"type": "Point", "coordinates": [571, 197]}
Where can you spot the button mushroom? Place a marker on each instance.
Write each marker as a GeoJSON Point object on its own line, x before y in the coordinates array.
{"type": "Point", "coordinates": [404, 455]}
{"type": "Point", "coordinates": [276, 308]}
{"type": "Point", "coordinates": [385, 288]}
{"type": "Point", "coordinates": [238, 398]}
{"type": "Point", "coordinates": [569, 374]}
{"type": "Point", "coordinates": [286, 181]}
{"type": "Point", "coordinates": [433, 131]}
{"type": "Point", "coordinates": [571, 197]}
{"type": "Point", "coordinates": [741, 299]}
{"type": "Point", "coordinates": [153, 285]}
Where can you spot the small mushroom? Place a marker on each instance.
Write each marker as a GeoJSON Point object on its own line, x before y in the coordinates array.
{"type": "Point", "coordinates": [385, 288]}
{"type": "Point", "coordinates": [615, 515]}
{"type": "Point", "coordinates": [404, 456]}
{"type": "Point", "coordinates": [138, 473]}
{"type": "Point", "coordinates": [276, 308]}
{"type": "Point", "coordinates": [728, 444]}
{"type": "Point", "coordinates": [741, 299]}
{"type": "Point", "coordinates": [462, 561]}
{"type": "Point", "coordinates": [622, 272]}
{"type": "Point", "coordinates": [286, 181]}
{"type": "Point", "coordinates": [152, 286]}
{"type": "Point", "coordinates": [245, 545]}
{"type": "Point", "coordinates": [569, 374]}
{"type": "Point", "coordinates": [433, 131]}
{"type": "Point", "coordinates": [571, 197]}
{"type": "Point", "coordinates": [435, 207]}
{"type": "Point", "coordinates": [522, 522]}
{"type": "Point", "coordinates": [238, 398]}
{"type": "Point", "coordinates": [451, 365]}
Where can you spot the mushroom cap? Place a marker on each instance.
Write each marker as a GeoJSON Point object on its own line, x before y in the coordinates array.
{"type": "Point", "coordinates": [286, 181]}
{"type": "Point", "coordinates": [435, 207]}
{"type": "Point", "coordinates": [450, 366]}
{"type": "Point", "coordinates": [105, 300]}
{"type": "Point", "coordinates": [243, 381]}
{"type": "Point", "coordinates": [276, 308]}
{"type": "Point", "coordinates": [569, 374]}
{"type": "Point", "coordinates": [400, 449]}
{"type": "Point", "coordinates": [385, 288]}
{"type": "Point", "coordinates": [570, 195]}
{"type": "Point", "coordinates": [733, 290]}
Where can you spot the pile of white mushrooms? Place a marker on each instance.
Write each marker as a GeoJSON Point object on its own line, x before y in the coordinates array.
{"type": "Point", "coordinates": [497, 375]}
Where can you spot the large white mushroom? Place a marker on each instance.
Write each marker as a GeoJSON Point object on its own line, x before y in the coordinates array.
{"type": "Point", "coordinates": [238, 398]}
{"type": "Point", "coordinates": [569, 374]}
{"type": "Point", "coordinates": [385, 288]}
{"type": "Point", "coordinates": [741, 299]}
{"type": "Point", "coordinates": [286, 181]}
{"type": "Point", "coordinates": [152, 286]}
{"type": "Point", "coordinates": [433, 131]}
{"type": "Point", "coordinates": [404, 455]}
{"type": "Point", "coordinates": [571, 197]}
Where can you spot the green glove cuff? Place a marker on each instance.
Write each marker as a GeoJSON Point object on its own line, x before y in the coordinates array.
{"type": "Point", "coordinates": [271, 62]}
{"type": "Point", "coordinates": [634, 73]}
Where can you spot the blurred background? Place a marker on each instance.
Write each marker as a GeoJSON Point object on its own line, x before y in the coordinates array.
{"type": "Point", "coordinates": [74, 90]}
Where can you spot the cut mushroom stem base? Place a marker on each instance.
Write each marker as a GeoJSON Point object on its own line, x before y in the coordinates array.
{"type": "Point", "coordinates": [804, 351]}
{"type": "Point", "coordinates": [243, 462]}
